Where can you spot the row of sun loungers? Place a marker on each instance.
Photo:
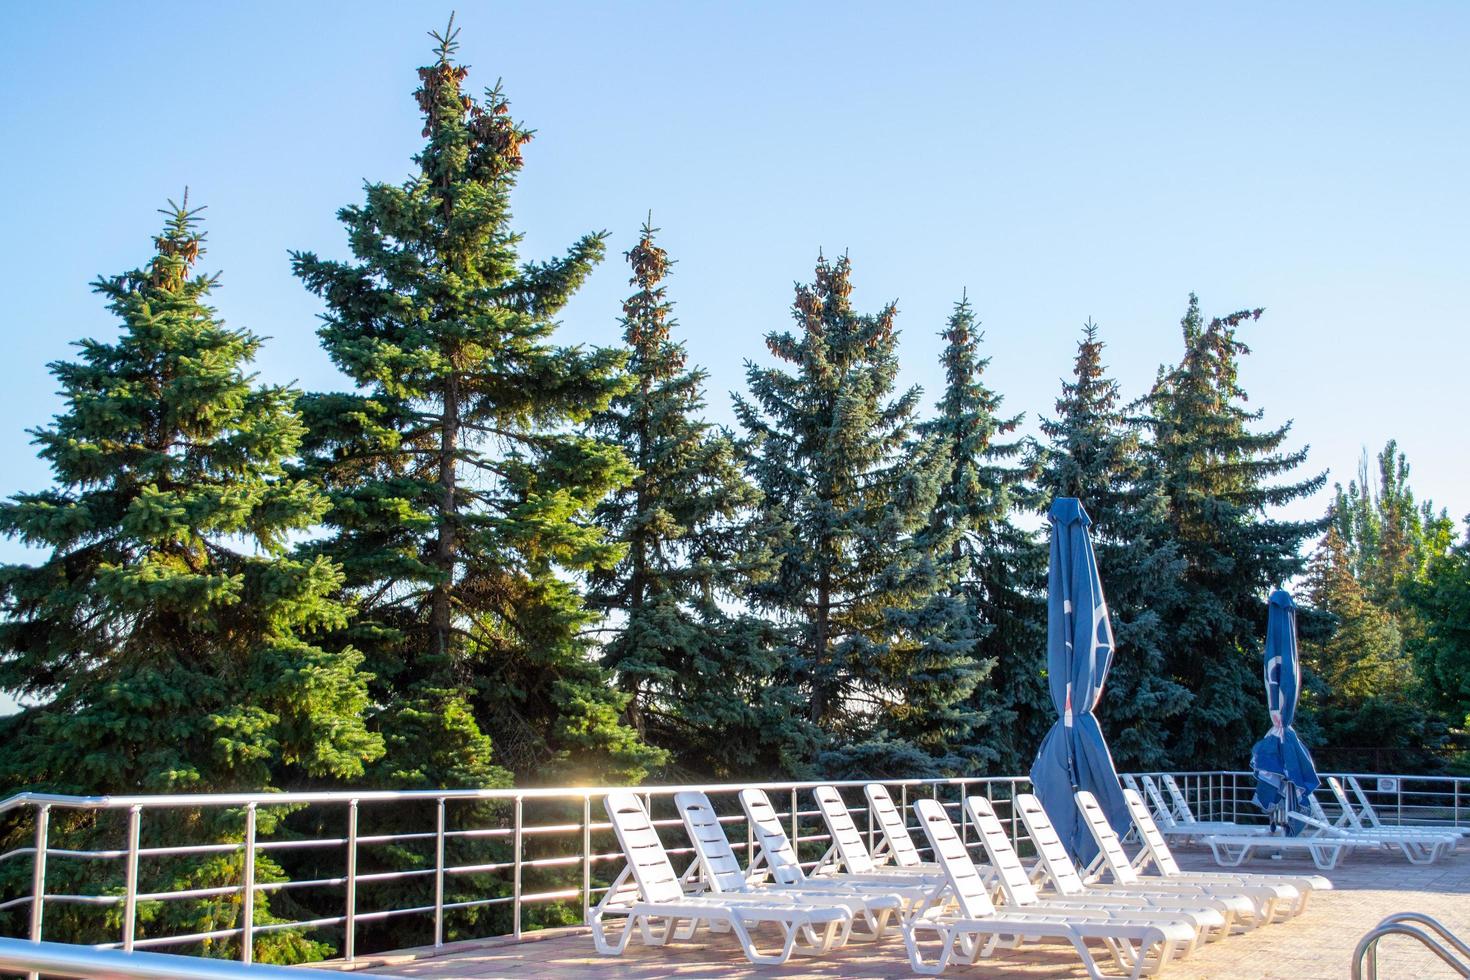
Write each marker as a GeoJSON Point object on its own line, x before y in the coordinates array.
{"type": "Point", "coordinates": [1323, 839]}
{"type": "Point", "coordinates": [945, 907]}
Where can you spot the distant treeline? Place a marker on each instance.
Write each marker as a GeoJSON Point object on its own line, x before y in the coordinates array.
{"type": "Point", "coordinates": [494, 558]}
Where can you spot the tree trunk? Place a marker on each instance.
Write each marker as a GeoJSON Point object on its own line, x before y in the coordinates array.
{"type": "Point", "coordinates": [439, 616]}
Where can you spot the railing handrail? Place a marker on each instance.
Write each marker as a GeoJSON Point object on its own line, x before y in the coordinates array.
{"type": "Point", "coordinates": [1402, 924]}
{"type": "Point", "coordinates": [509, 794]}
{"type": "Point", "coordinates": [69, 960]}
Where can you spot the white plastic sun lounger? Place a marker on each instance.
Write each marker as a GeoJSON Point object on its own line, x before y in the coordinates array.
{"type": "Point", "coordinates": [848, 853]}
{"type": "Point", "coordinates": [1420, 838]}
{"type": "Point", "coordinates": [1212, 918]}
{"type": "Point", "coordinates": [1368, 816]}
{"type": "Point", "coordinates": [716, 868]}
{"type": "Point", "coordinates": [1138, 948]}
{"type": "Point", "coordinates": [1056, 864]}
{"type": "Point", "coordinates": [661, 911]}
{"type": "Point", "coordinates": [1276, 897]}
{"type": "Point", "coordinates": [1265, 897]}
{"type": "Point", "coordinates": [896, 844]}
{"type": "Point", "coordinates": [778, 858]}
{"type": "Point", "coordinates": [1316, 826]}
{"type": "Point", "coordinates": [1178, 819]}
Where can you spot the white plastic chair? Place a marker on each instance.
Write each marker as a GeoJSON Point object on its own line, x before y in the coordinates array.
{"type": "Point", "coordinates": [661, 911]}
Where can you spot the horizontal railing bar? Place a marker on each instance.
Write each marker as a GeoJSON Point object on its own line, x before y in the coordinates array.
{"type": "Point", "coordinates": [429, 795]}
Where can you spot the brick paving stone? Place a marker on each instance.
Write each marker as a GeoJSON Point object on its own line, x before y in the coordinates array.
{"type": "Point", "coordinates": [1319, 943]}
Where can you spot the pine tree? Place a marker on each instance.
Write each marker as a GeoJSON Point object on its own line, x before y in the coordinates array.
{"type": "Point", "coordinates": [462, 490]}
{"type": "Point", "coordinates": [881, 664]}
{"type": "Point", "coordinates": [1363, 656]}
{"type": "Point", "coordinates": [702, 682]}
{"type": "Point", "coordinates": [1216, 477]}
{"type": "Point", "coordinates": [1389, 539]}
{"type": "Point", "coordinates": [976, 549]}
{"type": "Point", "coordinates": [167, 639]}
{"type": "Point", "coordinates": [1093, 452]}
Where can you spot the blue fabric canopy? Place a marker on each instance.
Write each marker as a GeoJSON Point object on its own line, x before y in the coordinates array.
{"type": "Point", "coordinates": [1079, 650]}
{"type": "Point", "coordinates": [1285, 775]}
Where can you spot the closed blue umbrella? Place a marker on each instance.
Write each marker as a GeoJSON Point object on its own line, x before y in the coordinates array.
{"type": "Point", "coordinates": [1079, 650]}
{"type": "Point", "coordinates": [1285, 776]}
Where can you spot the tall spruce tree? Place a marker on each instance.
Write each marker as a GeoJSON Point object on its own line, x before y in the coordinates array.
{"type": "Point", "coordinates": [982, 559]}
{"type": "Point", "coordinates": [462, 489]}
{"type": "Point", "coordinates": [166, 639]}
{"type": "Point", "coordinates": [883, 666]}
{"type": "Point", "coordinates": [1093, 452]}
{"type": "Point", "coordinates": [1216, 475]}
{"type": "Point", "coordinates": [702, 681]}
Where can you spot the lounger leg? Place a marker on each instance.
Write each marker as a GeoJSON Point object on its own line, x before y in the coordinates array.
{"type": "Point", "coordinates": [747, 943]}
{"type": "Point", "coordinates": [600, 936]}
{"type": "Point", "coordinates": [916, 956]}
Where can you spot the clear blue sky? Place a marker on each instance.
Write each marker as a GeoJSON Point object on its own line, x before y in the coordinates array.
{"type": "Point", "coordinates": [1059, 163]}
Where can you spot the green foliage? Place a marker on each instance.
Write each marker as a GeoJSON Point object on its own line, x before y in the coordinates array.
{"type": "Point", "coordinates": [1094, 453]}
{"type": "Point", "coordinates": [462, 490]}
{"type": "Point", "coordinates": [880, 660]}
{"type": "Point", "coordinates": [167, 639]}
{"type": "Point", "coordinates": [703, 682]}
{"type": "Point", "coordinates": [1441, 602]}
{"type": "Point", "coordinates": [1388, 538]}
{"type": "Point", "coordinates": [982, 560]}
{"type": "Point", "coordinates": [1217, 478]}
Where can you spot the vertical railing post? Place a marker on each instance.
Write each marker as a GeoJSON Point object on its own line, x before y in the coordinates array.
{"type": "Point", "coordinates": [349, 945]}
{"type": "Point", "coordinates": [587, 859]}
{"type": "Point", "coordinates": [795, 828]}
{"type": "Point", "coordinates": [516, 896]}
{"type": "Point", "coordinates": [439, 874]}
{"type": "Point", "coordinates": [247, 898]}
{"type": "Point", "coordinates": [130, 878]}
{"type": "Point", "coordinates": [38, 875]}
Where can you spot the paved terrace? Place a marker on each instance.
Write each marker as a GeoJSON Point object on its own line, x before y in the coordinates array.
{"type": "Point", "coordinates": [1319, 943]}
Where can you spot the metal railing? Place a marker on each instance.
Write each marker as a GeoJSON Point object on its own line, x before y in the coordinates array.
{"type": "Point", "coordinates": [66, 960]}
{"type": "Point", "coordinates": [1396, 798]}
{"type": "Point", "coordinates": [1447, 946]}
{"type": "Point", "coordinates": [513, 850]}
{"type": "Point", "coordinates": [564, 824]}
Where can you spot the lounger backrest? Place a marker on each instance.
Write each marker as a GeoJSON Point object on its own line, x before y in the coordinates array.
{"type": "Point", "coordinates": [1366, 811]}
{"type": "Point", "coordinates": [712, 847]}
{"type": "Point", "coordinates": [845, 836]}
{"type": "Point", "coordinates": [1049, 846]}
{"type": "Point", "coordinates": [1348, 809]}
{"type": "Point", "coordinates": [771, 836]}
{"type": "Point", "coordinates": [1113, 854]}
{"type": "Point", "coordinates": [890, 822]}
{"type": "Point", "coordinates": [1148, 832]}
{"type": "Point", "coordinates": [646, 856]}
{"type": "Point", "coordinates": [950, 852]}
{"type": "Point", "coordinates": [1129, 782]}
{"type": "Point", "coordinates": [1314, 809]}
{"type": "Point", "coordinates": [1013, 878]}
{"type": "Point", "coordinates": [1165, 815]}
{"type": "Point", "coordinates": [1181, 804]}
